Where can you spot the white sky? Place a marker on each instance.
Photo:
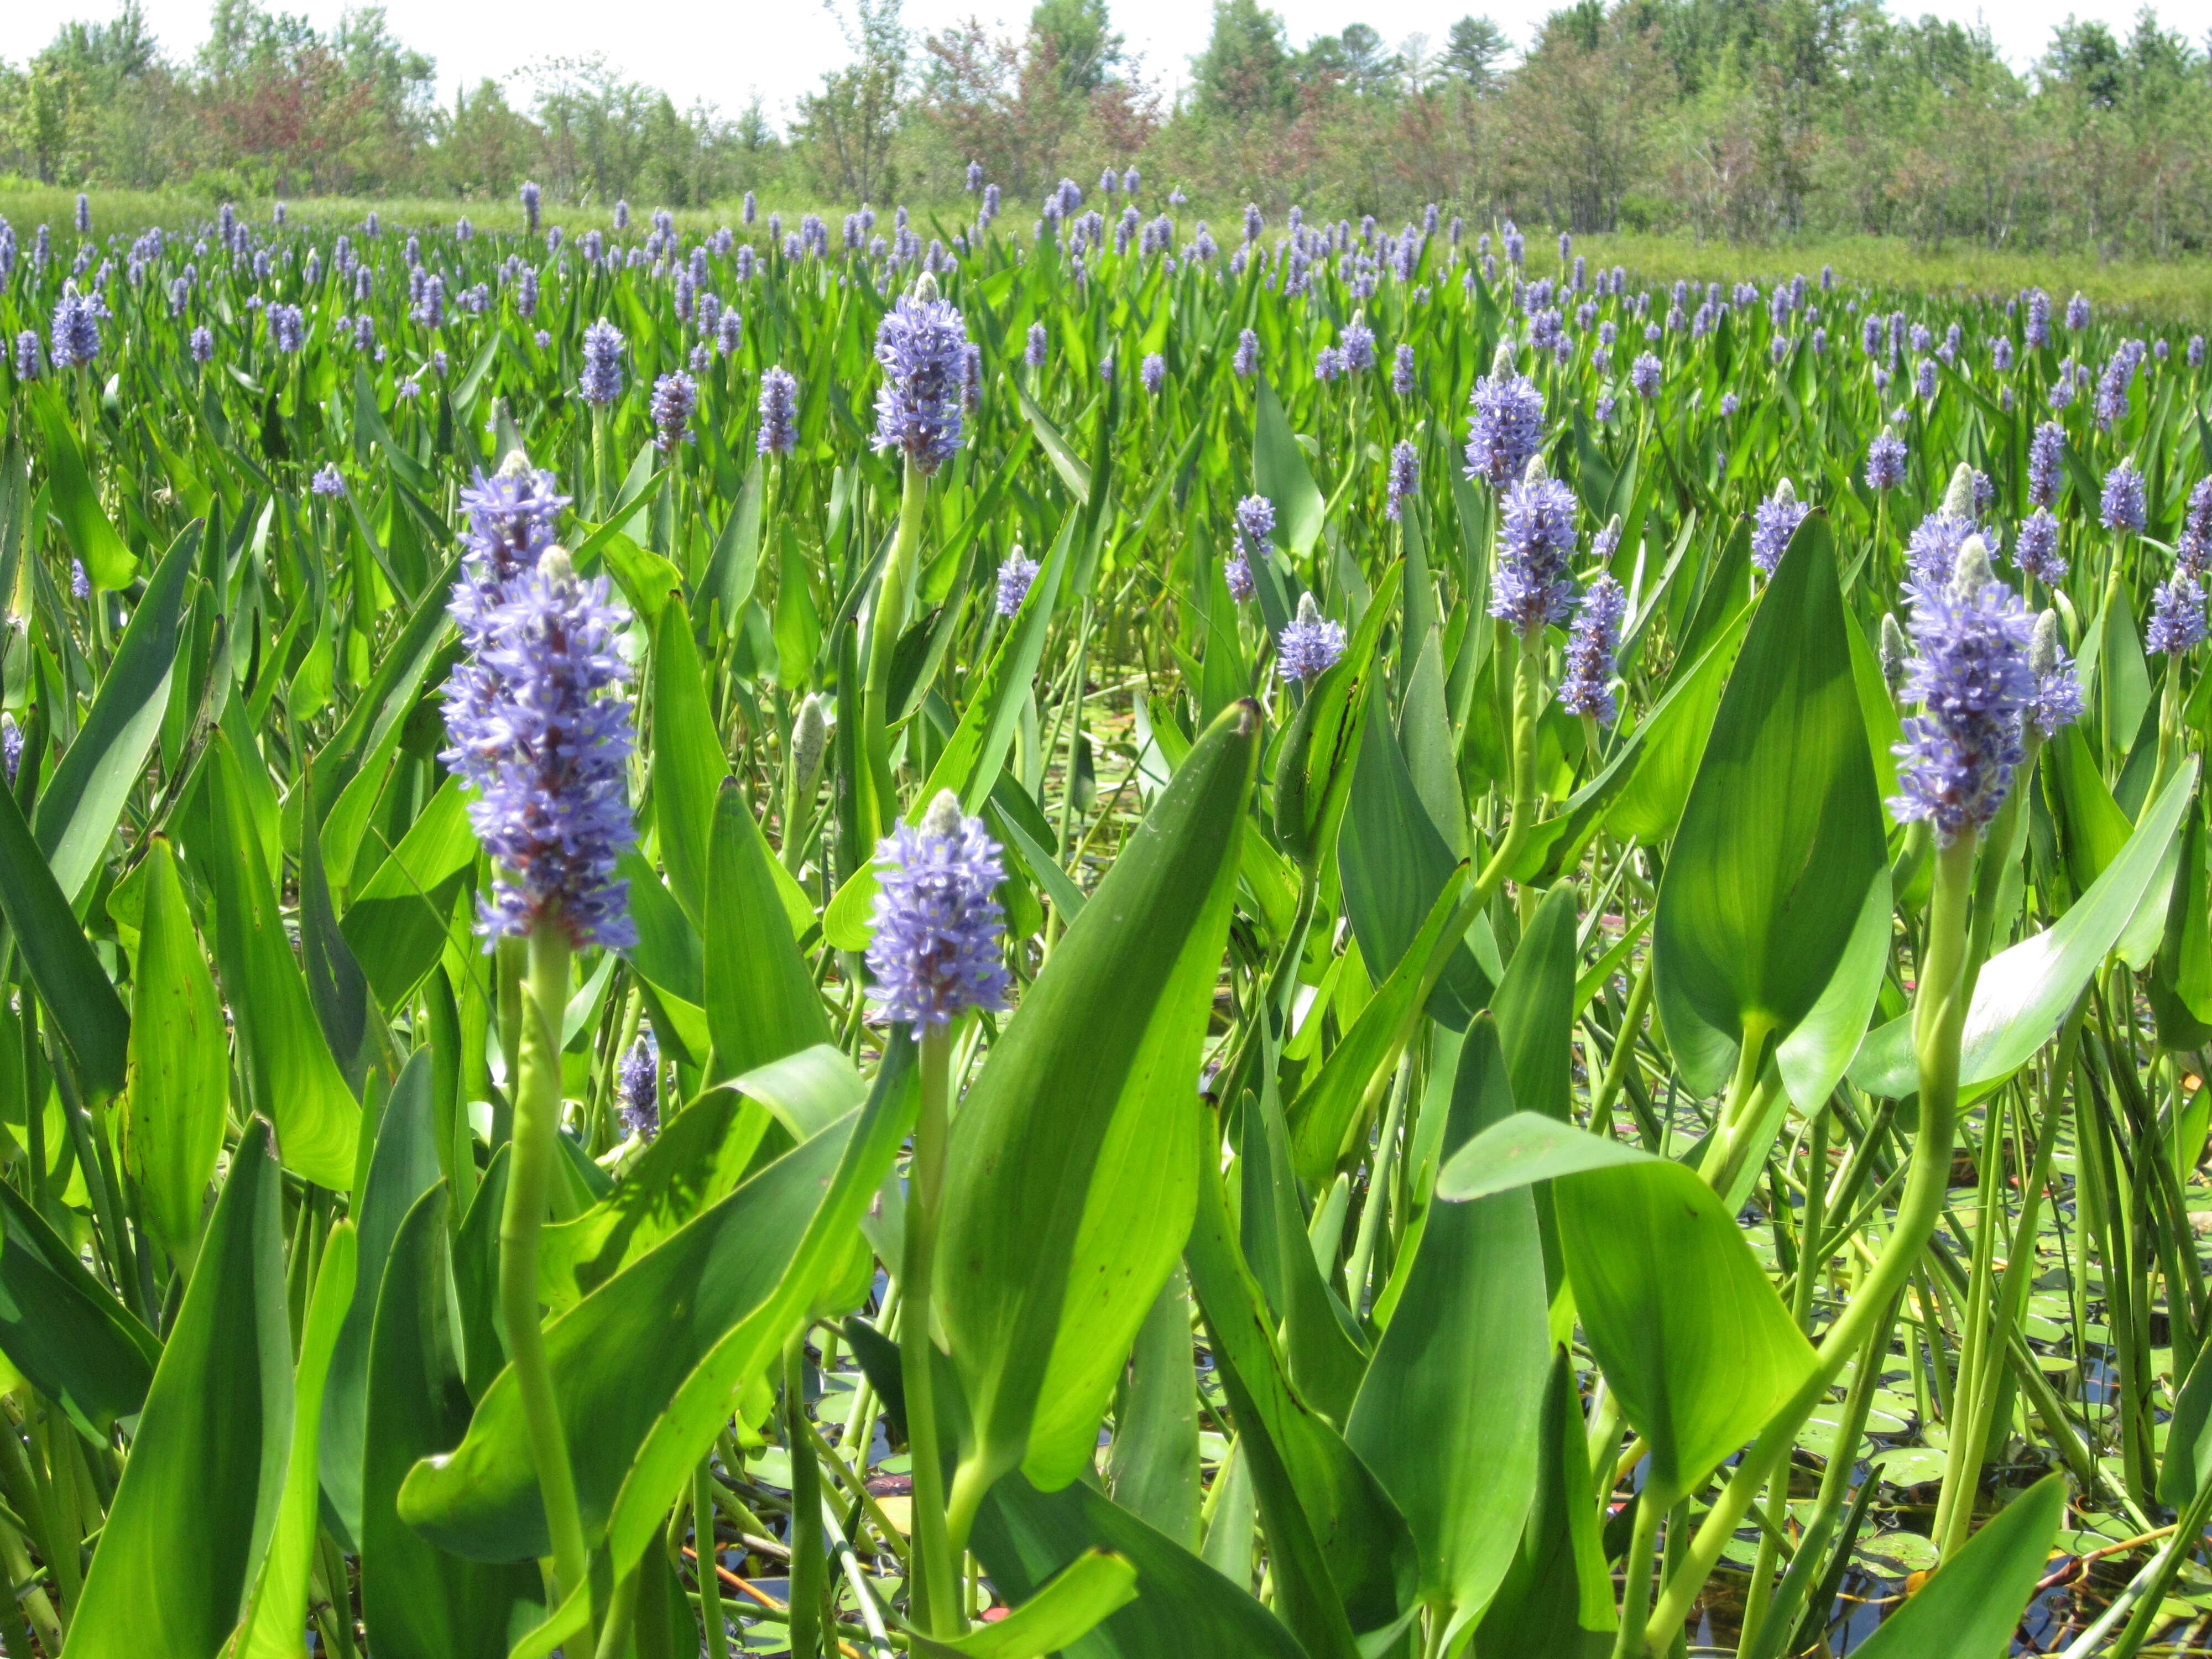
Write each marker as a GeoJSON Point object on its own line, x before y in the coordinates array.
{"type": "Point", "coordinates": [722, 53]}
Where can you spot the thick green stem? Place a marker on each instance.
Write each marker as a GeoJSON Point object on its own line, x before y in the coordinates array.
{"type": "Point", "coordinates": [1938, 1020]}
{"type": "Point", "coordinates": [1636, 1575]}
{"type": "Point", "coordinates": [537, 1129]}
{"type": "Point", "coordinates": [936, 1597]}
{"type": "Point", "coordinates": [894, 593]}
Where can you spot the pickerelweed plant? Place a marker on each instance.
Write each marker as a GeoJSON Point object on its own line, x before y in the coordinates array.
{"type": "Point", "coordinates": [1059, 972]}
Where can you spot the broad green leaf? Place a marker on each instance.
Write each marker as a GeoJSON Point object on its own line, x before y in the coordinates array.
{"type": "Point", "coordinates": [276, 1609]}
{"type": "Point", "coordinates": [398, 921]}
{"type": "Point", "coordinates": [689, 766]}
{"type": "Point", "coordinates": [1526, 1148]}
{"type": "Point", "coordinates": [1971, 1607]}
{"type": "Point", "coordinates": [402, 1166]}
{"type": "Point", "coordinates": [417, 1600]}
{"type": "Point", "coordinates": [683, 1432]}
{"type": "Point", "coordinates": [1330, 1112]}
{"type": "Point", "coordinates": [1069, 1174]}
{"type": "Point", "coordinates": [63, 1329]}
{"type": "Point", "coordinates": [1679, 1314]}
{"type": "Point", "coordinates": [107, 560]}
{"type": "Point", "coordinates": [1393, 862]}
{"type": "Point", "coordinates": [2024, 992]}
{"type": "Point", "coordinates": [1279, 472]}
{"type": "Point", "coordinates": [1556, 1598]}
{"type": "Point", "coordinates": [1448, 1415]}
{"type": "Point", "coordinates": [1671, 742]}
{"type": "Point", "coordinates": [2180, 985]}
{"type": "Point", "coordinates": [760, 1000]}
{"type": "Point", "coordinates": [1535, 1008]}
{"type": "Point", "coordinates": [79, 997]}
{"type": "Point", "coordinates": [1058, 1615]}
{"type": "Point", "coordinates": [1346, 1564]}
{"type": "Point", "coordinates": [198, 1500]}
{"type": "Point", "coordinates": [78, 810]}
{"type": "Point", "coordinates": [735, 562]}
{"type": "Point", "coordinates": [294, 1077]}
{"type": "Point", "coordinates": [1024, 1536]}
{"type": "Point", "coordinates": [1323, 1350]}
{"type": "Point", "coordinates": [623, 1358]}
{"type": "Point", "coordinates": [1153, 1469]}
{"type": "Point", "coordinates": [696, 1159]}
{"type": "Point", "coordinates": [1781, 837]}
{"type": "Point", "coordinates": [173, 1121]}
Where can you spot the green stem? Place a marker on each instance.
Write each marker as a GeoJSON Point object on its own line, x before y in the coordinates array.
{"type": "Point", "coordinates": [537, 1129]}
{"type": "Point", "coordinates": [1938, 1019]}
{"type": "Point", "coordinates": [936, 1594]}
{"type": "Point", "coordinates": [808, 1581]}
{"type": "Point", "coordinates": [709, 1559]}
{"type": "Point", "coordinates": [1637, 1569]}
{"type": "Point", "coordinates": [894, 592]}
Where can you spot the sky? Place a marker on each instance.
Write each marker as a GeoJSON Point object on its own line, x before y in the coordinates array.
{"type": "Point", "coordinates": [722, 53]}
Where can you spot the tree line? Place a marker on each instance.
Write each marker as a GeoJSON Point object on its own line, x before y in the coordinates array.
{"type": "Point", "coordinates": [1748, 119]}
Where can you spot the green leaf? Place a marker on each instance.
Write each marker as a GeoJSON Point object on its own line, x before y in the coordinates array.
{"type": "Point", "coordinates": [1678, 1313]}
{"type": "Point", "coordinates": [107, 560]}
{"type": "Point", "coordinates": [689, 766]}
{"type": "Point", "coordinates": [2023, 993]}
{"type": "Point", "coordinates": [622, 1359]}
{"type": "Point", "coordinates": [1526, 1148]}
{"type": "Point", "coordinates": [1782, 836]}
{"type": "Point", "coordinates": [276, 1609]}
{"type": "Point", "coordinates": [1327, 1117]}
{"type": "Point", "coordinates": [1394, 863]}
{"type": "Point", "coordinates": [1279, 472]}
{"type": "Point", "coordinates": [760, 1000]}
{"type": "Point", "coordinates": [402, 1166]}
{"type": "Point", "coordinates": [1345, 1563]}
{"type": "Point", "coordinates": [1448, 1415]}
{"type": "Point", "coordinates": [1671, 742]}
{"type": "Point", "coordinates": [1024, 1537]}
{"type": "Point", "coordinates": [81, 1001]}
{"type": "Point", "coordinates": [1153, 1469]}
{"type": "Point", "coordinates": [1972, 1607]}
{"type": "Point", "coordinates": [1061, 1223]}
{"type": "Point", "coordinates": [180, 1068]}
{"type": "Point", "coordinates": [2180, 985]}
{"type": "Point", "coordinates": [1535, 1008]}
{"type": "Point", "coordinates": [1556, 1598]}
{"type": "Point", "coordinates": [419, 1601]}
{"type": "Point", "coordinates": [72, 1341]}
{"type": "Point", "coordinates": [78, 810]}
{"type": "Point", "coordinates": [683, 1432]}
{"type": "Point", "coordinates": [1057, 1615]}
{"type": "Point", "coordinates": [696, 1159]}
{"type": "Point", "coordinates": [734, 564]}
{"type": "Point", "coordinates": [294, 1078]}
{"type": "Point", "coordinates": [398, 924]}
{"type": "Point", "coordinates": [199, 1495]}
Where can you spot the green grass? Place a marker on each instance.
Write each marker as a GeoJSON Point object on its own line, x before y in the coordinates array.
{"type": "Point", "coordinates": [2175, 293]}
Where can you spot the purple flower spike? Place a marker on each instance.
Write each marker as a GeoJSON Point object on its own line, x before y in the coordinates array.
{"type": "Point", "coordinates": [602, 380]}
{"type": "Point", "coordinates": [1774, 523]}
{"type": "Point", "coordinates": [919, 344]}
{"type": "Point", "coordinates": [2035, 550]}
{"type": "Point", "coordinates": [779, 412]}
{"type": "Point", "coordinates": [936, 950]}
{"type": "Point", "coordinates": [1587, 686]}
{"type": "Point", "coordinates": [1885, 462]}
{"type": "Point", "coordinates": [1310, 645]}
{"type": "Point", "coordinates": [674, 398]}
{"type": "Point", "coordinates": [1015, 577]}
{"type": "Point", "coordinates": [2058, 699]}
{"type": "Point", "coordinates": [2122, 507]}
{"type": "Point", "coordinates": [2177, 618]}
{"type": "Point", "coordinates": [1973, 683]}
{"type": "Point", "coordinates": [543, 738]}
{"type": "Point", "coordinates": [1405, 477]}
{"type": "Point", "coordinates": [637, 1080]}
{"type": "Point", "coordinates": [1535, 537]}
{"type": "Point", "coordinates": [1507, 425]}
